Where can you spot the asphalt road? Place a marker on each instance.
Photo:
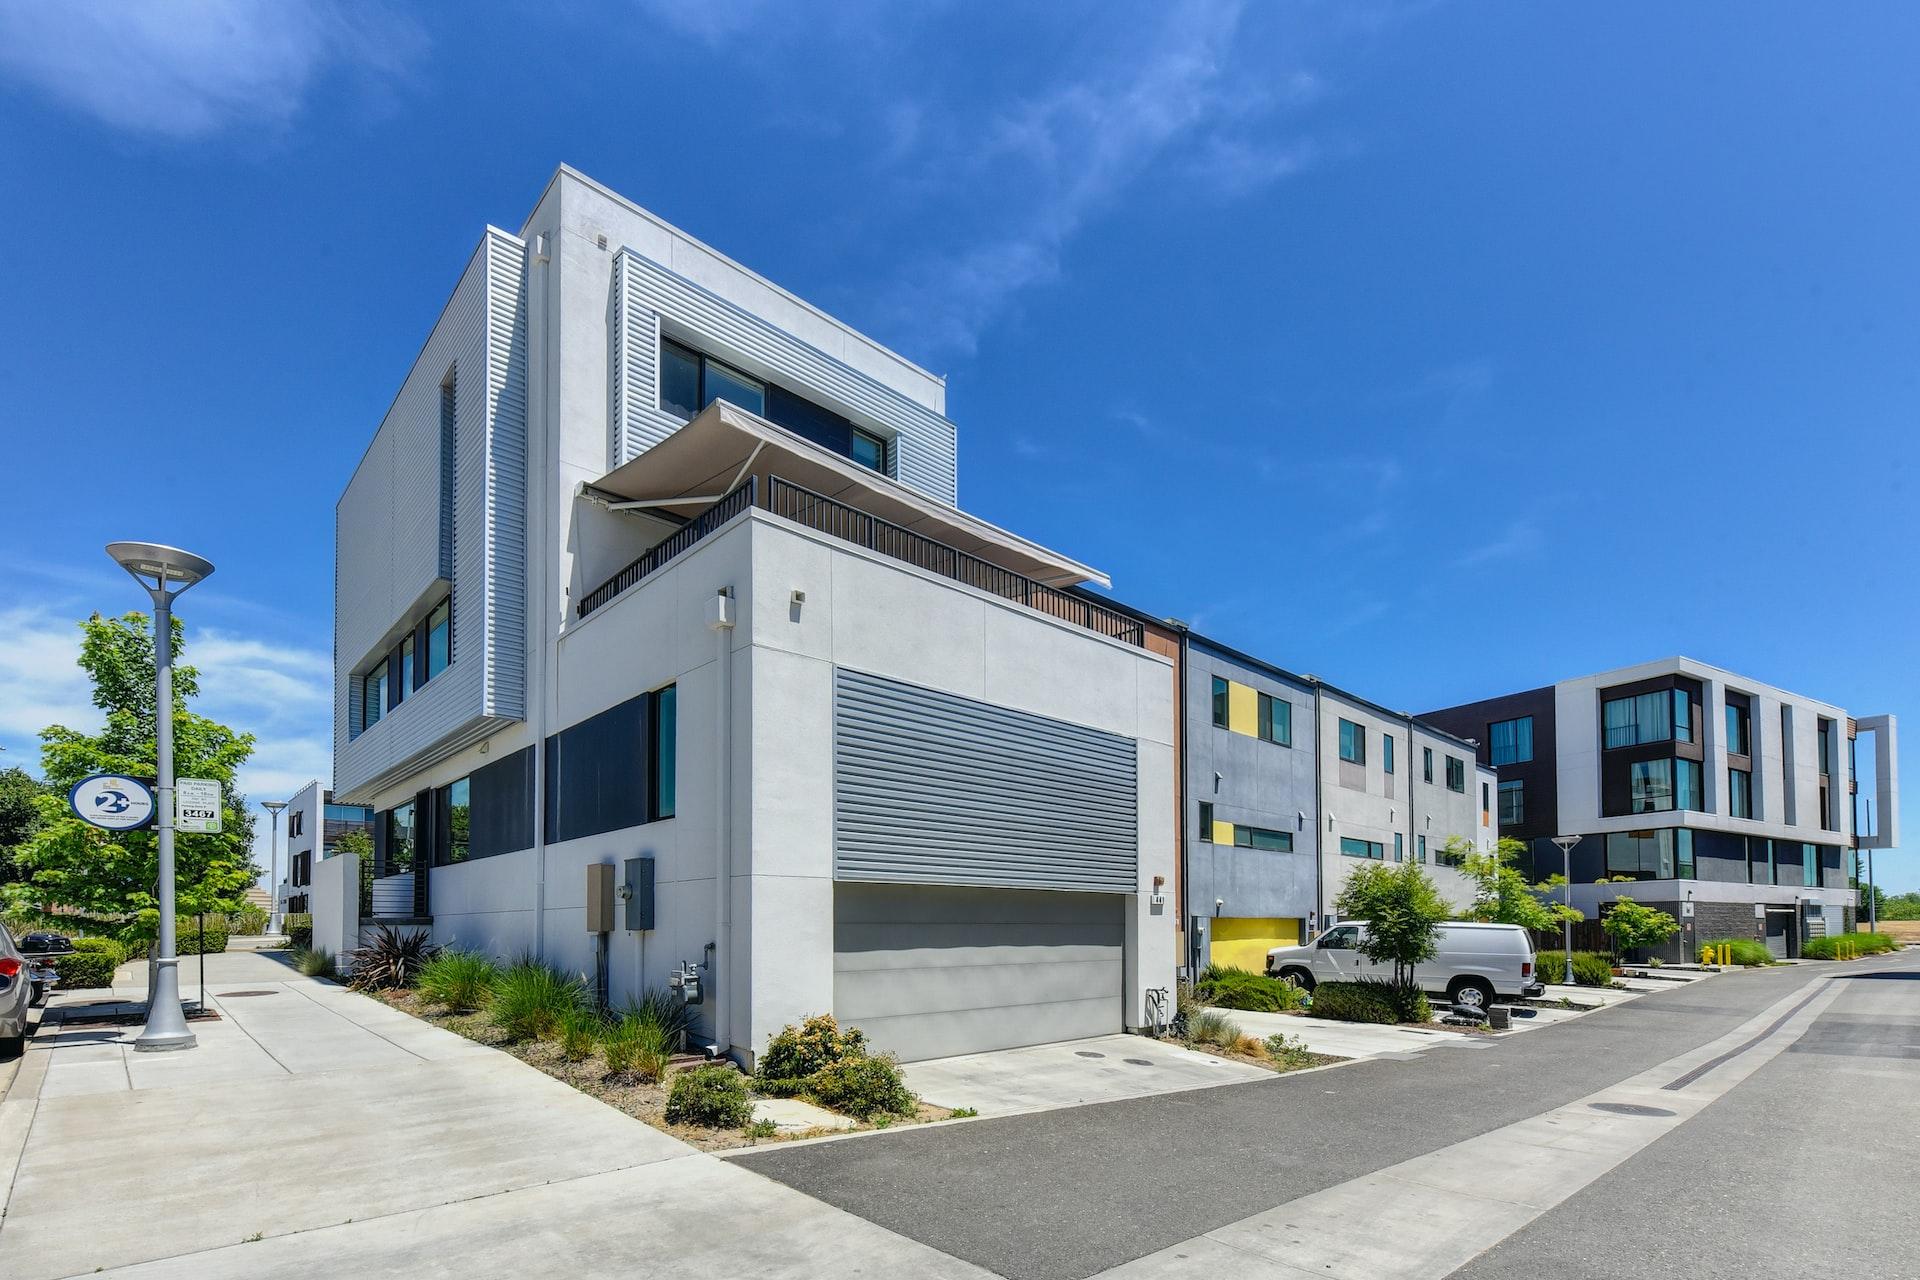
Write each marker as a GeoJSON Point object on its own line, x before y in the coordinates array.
{"type": "Point", "coordinates": [1066, 1194]}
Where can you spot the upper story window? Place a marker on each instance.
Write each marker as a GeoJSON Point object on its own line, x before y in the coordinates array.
{"type": "Point", "coordinates": [1262, 838]}
{"type": "Point", "coordinates": [1510, 741]}
{"type": "Point", "coordinates": [1646, 717]}
{"type": "Point", "coordinates": [1386, 752]}
{"type": "Point", "coordinates": [1426, 764]}
{"type": "Point", "coordinates": [690, 381]}
{"type": "Point", "coordinates": [417, 657]}
{"type": "Point", "coordinates": [1739, 728]}
{"type": "Point", "coordinates": [1276, 720]}
{"type": "Point", "coordinates": [1221, 701]}
{"type": "Point", "coordinates": [1353, 848]}
{"type": "Point", "coordinates": [1353, 742]}
{"type": "Point", "coordinates": [1739, 793]}
{"type": "Point", "coordinates": [1513, 802]}
{"type": "Point", "coordinates": [1456, 774]}
{"type": "Point", "coordinates": [1826, 748]}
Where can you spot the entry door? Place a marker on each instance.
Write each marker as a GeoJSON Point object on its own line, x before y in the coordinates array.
{"type": "Point", "coordinates": [1778, 925]}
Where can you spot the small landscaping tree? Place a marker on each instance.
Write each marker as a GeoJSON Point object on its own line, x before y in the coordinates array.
{"type": "Point", "coordinates": [1502, 894]}
{"type": "Point", "coordinates": [1403, 912]}
{"type": "Point", "coordinates": [1632, 926]}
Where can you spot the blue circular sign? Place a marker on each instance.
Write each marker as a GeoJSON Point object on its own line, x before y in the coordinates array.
{"type": "Point", "coordinates": [113, 801]}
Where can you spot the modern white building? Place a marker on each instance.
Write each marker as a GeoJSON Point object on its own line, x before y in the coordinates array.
{"type": "Point", "coordinates": [653, 565]}
{"type": "Point", "coordinates": [313, 827]}
{"type": "Point", "coordinates": [1722, 799]}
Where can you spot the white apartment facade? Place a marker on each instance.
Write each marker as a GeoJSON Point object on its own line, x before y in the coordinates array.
{"type": "Point", "coordinates": [313, 825]}
{"type": "Point", "coordinates": [653, 565]}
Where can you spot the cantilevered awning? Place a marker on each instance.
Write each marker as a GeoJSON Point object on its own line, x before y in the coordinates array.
{"type": "Point", "coordinates": [715, 452]}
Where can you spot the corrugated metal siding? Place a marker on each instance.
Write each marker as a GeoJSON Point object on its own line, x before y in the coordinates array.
{"type": "Point", "coordinates": [923, 455]}
{"type": "Point", "coordinates": [930, 788]}
{"type": "Point", "coordinates": [388, 540]}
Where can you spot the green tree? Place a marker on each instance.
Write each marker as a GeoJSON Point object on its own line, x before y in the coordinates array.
{"type": "Point", "coordinates": [108, 877]}
{"type": "Point", "coordinates": [1502, 894]}
{"type": "Point", "coordinates": [19, 817]}
{"type": "Point", "coordinates": [1403, 912]}
{"type": "Point", "coordinates": [1900, 906]}
{"type": "Point", "coordinates": [1632, 926]}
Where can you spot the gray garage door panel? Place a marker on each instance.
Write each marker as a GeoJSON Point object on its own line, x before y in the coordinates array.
{"type": "Point", "coordinates": [933, 971]}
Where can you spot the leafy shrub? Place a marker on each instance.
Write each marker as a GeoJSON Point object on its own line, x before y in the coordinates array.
{"type": "Point", "coordinates": [864, 1087]}
{"type": "Point", "coordinates": [249, 921]}
{"type": "Point", "coordinates": [459, 980]}
{"type": "Point", "coordinates": [1847, 946]}
{"type": "Point", "coordinates": [636, 1049]}
{"type": "Point", "coordinates": [580, 1030]}
{"type": "Point", "coordinates": [796, 1054]}
{"type": "Point", "coordinates": [1370, 1000]}
{"type": "Point", "coordinates": [1288, 1052]}
{"type": "Point", "coordinates": [314, 962]}
{"type": "Point", "coordinates": [1252, 992]}
{"type": "Point", "coordinates": [664, 1010]}
{"type": "Point", "coordinates": [1744, 951]}
{"type": "Point", "coordinates": [85, 969]}
{"type": "Point", "coordinates": [1209, 1026]}
{"type": "Point", "coordinates": [393, 959]}
{"type": "Point", "coordinates": [299, 928]}
{"type": "Point", "coordinates": [1592, 969]}
{"type": "Point", "coordinates": [190, 939]}
{"type": "Point", "coordinates": [103, 946]}
{"type": "Point", "coordinates": [530, 999]}
{"type": "Point", "coordinates": [712, 1096]}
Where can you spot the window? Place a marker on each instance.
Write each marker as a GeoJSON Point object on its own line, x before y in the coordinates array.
{"type": "Point", "coordinates": [1760, 865]}
{"type": "Point", "coordinates": [1426, 764]}
{"type": "Point", "coordinates": [718, 382]}
{"type": "Point", "coordinates": [690, 381]}
{"type": "Point", "coordinates": [459, 811]}
{"type": "Point", "coordinates": [1345, 938]}
{"type": "Point", "coordinates": [409, 672]}
{"type": "Point", "coordinates": [1420, 849]}
{"type": "Point", "coordinates": [1276, 720]}
{"type": "Point", "coordinates": [401, 828]}
{"type": "Point", "coordinates": [1454, 857]}
{"type": "Point", "coordinates": [1510, 741]}
{"type": "Point", "coordinates": [1825, 750]}
{"type": "Point", "coordinates": [1220, 700]}
{"type": "Point", "coordinates": [373, 696]}
{"type": "Point", "coordinates": [1739, 729]}
{"type": "Point", "coordinates": [1682, 716]}
{"type": "Point", "coordinates": [1809, 864]}
{"type": "Point", "coordinates": [1399, 849]}
{"type": "Point", "coordinates": [1513, 803]}
{"type": "Point", "coordinates": [1646, 717]}
{"type": "Point", "coordinates": [1739, 793]}
{"type": "Point", "coordinates": [679, 380]}
{"type": "Point", "coordinates": [1386, 752]}
{"type": "Point", "coordinates": [1206, 821]}
{"type": "Point", "coordinates": [1644, 855]}
{"type": "Point", "coordinates": [602, 773]}
{"type": "Point", "coordinates": [1652, 786]}
{"type": "Point", "coordinates": [439, 638]}
{"type": "Point", "coordinates": [1689, 792]}
{"type": "Point", "coordinates": [1683, 851]}
{"type": "Point", "coordinates": [1261, 838]}
{"type": "Point", "coordinates": [1353, 848]}
{"type": "Point", "coordinates": [1353, 742]}
{"type": "Point", "coordinates": [666, 753]}
{"type": "Point", "coordinates": [1456, 774]}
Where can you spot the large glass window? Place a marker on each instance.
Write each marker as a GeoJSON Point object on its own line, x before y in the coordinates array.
{"type": "Point", "coordinates": [1652, 786]}
{"type": "Point", "coordinates": [1682, 716]}
{"type": "Point", "coordinates": [409, 674]}
{"type": "Point", "coordinates": [869, 450]}
{"type": "Point", "coordinates": [1644, 855]}
{"type": "Point", "coordinates": [1353, 742]}
{"type": "Point", "coordinates": [1220, 702]}
{"type": "Point", "coordinates": [1353, 848]}
{"type": "Point", "coordinates": [1261, 838]}
{"type": "Point", "coordinates": [1510, 741]}
{"type": "Point", "coordinates": [1739, 731]}
{"type": "Point", "coordinates": [666, 751]}
{"type": "Point", "coordinates": [1513, 803]}
{"type": "Point", "coordinates": [1760, 860]}
{"type": "Point", "coordinates": [1689, 792]}
{"type": "Point", "coordinates": [1276, 720]}
{"type": "Point", "coordinates": [1646, 717]}
{"type": "Point", "coordinates": [679, 380]}
{"type": "Point", "coordinates": [1683, 851]}
{"type": "Point", "coordinates": [459, 819]}
{"type": "Point", "coordinates": [439, 638]}
{"type": "Point", "coordinates": [1386, 752]}
{"type": "Point", "coordinates": [1456, 774]}
{"type": "Point", "coordinates": [1739, 793]}
{"type": "Point", "coordinates": [733, 386]}
{"type": "Point", "coordinates": [401, 830]}
{"type": "Point", "coordinates": [373, 700]}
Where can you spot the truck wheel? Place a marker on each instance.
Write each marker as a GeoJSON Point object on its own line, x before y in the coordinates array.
{"type": "Point", "coordinates": [1300, 978]}
{"type": "Point", "coordinates": [1473, 992]}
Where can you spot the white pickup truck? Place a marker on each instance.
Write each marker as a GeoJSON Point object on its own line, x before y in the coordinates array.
{"type": "Point", "coordinates": [1476, 963]}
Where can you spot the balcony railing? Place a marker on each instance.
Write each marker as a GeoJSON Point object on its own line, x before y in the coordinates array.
{"type": "Point", "coordinates": [850, 524]}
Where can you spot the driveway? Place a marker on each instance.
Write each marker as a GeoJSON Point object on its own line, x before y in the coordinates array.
{"type": "Point", "coordinates": [1071, 1074]}
{"type": "Point", "coordinates": [316, 1132]}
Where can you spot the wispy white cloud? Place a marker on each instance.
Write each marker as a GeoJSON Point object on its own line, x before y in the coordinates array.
{"type": "Point", "coordinates": [197, 67]}
{"type": "Point", "coordinates": [1521, 537]}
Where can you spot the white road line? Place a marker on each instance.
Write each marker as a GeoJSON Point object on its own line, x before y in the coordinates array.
{"type": "Point", "coordinates": [1425, 1218]}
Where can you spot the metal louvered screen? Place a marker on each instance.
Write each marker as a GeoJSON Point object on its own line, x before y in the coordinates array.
{"type": "Point", "coordinates": [930, 788]}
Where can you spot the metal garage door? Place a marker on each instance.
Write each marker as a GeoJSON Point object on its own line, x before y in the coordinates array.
{"type": "Point", "coordinates": [932, 971]}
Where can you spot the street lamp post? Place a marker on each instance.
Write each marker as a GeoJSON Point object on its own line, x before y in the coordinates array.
{"type": "Point", "coordinates": [273, 873]}
{"type": "Point", "coordinates": [165, 572]}
{"type": "Point", "coordinates": [1566, 844]}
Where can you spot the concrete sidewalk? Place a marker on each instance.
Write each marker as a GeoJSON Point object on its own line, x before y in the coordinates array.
{"type": "Point", "coordinates": [1071, 1074]}
{"type": "Point", "coordinates": [1347, 1039]}
{"type": "Point", "coordinates": [317, 1132]}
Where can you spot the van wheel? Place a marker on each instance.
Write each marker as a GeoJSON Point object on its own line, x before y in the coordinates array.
{"type": "Point", "coordinates": [1473, 992]}
{"type": "Point", "coordinates": [1298, 977]}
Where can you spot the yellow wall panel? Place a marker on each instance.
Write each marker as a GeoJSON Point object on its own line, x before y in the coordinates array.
{"type": "Point", "coordinates": [1222, 832]}
{"type": "Point", "coordinates": [1243, 942]}
{"type": "Point", "coordinates": [1243, 709]}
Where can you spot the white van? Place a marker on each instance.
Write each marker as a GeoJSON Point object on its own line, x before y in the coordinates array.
{"type": "Point", "coordinates": [1475, 964]}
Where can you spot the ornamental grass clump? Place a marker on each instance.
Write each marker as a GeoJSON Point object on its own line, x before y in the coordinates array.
{"type": "Point", "coordinates": [460, 981]}
{"type": "Point", "coordinates": [637, 1050]}
{"type": "Point", "coordinates": [530, 1000]}
{"type": "Point", "coordinates": [313, 962]}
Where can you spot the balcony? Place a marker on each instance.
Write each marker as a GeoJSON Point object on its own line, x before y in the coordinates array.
{"type": "Point", "coordinates": [865, 510]}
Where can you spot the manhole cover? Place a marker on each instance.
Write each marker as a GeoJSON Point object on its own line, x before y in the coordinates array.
{"type": "Point", "coordinates": [1629, 1109]}
{"type": "Point", "coordinates": [1138, 1062]}
{"type": "Point", "coordinates": [1088, 1053]}
{"type": "Point", "coordinates": [229, 995]}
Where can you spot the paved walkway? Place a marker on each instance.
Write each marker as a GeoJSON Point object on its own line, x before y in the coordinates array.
{"type": "Point", "coordinates": [316, 1132]}
{"type": "Point", "coordinates": [1073, 1074]}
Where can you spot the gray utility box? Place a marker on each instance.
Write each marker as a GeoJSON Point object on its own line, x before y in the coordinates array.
{"type": "Point", "coordinates": [639, 885]}
{"type": "Point", "coordinates": [600, 898]}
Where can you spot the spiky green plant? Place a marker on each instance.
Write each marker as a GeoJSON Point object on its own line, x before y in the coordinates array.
{"type": "Point", "coordinates": [664, 1010]}
{"type": "Point", "coordinates": [460, 980]}
{"type": "Point", "coordinates": [580, 1031]}
{"type": "Point", "coordinates": [529, 1000]}
{"type": "Point", "coordinates": [637, 1050]}
{"type": "Point", "coordinates": [394, 958]}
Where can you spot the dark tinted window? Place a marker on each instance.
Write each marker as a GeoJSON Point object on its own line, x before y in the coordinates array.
{"type": "Point", "coordinates": [679, 380]}
{"type": "Point", "coordinates": [599, 772]}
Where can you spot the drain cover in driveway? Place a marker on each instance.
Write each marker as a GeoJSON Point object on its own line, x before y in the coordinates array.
{"type": "Point", "coordinates": [228, 995]}
{"type": "Point", "coordinates": [1088, 1053]}
{"type": "Point", "coordinates": [1629, 1109]}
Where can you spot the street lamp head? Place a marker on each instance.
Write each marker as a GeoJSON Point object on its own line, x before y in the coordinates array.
{"type": "Point", "coordinates": [170, 568]}
{"type": "Point", "coordinates": [273, 806]}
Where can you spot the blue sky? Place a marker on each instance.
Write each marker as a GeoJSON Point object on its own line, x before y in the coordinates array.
{"type": "Point", "coordinates": [1437, 349]}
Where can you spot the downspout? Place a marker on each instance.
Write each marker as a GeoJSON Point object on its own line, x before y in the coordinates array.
{"type": "Point", "coordinates": [1189, 954]}
{"type": "Point", "coordinates": [720, 979]}
{"type": "Point", "coordinates": [1320, 814]}
{"type": "Point", "coordinates": [541, 495]}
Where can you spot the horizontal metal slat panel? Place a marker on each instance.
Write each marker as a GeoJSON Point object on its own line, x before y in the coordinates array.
{"type": "Point", "coordinates": [932, 788]}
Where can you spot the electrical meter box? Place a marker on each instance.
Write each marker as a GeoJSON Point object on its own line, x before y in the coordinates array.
{"type": "Point", "coordinates": [600, 898]}
{"type": "Point", "coordinates": [639, 893]}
